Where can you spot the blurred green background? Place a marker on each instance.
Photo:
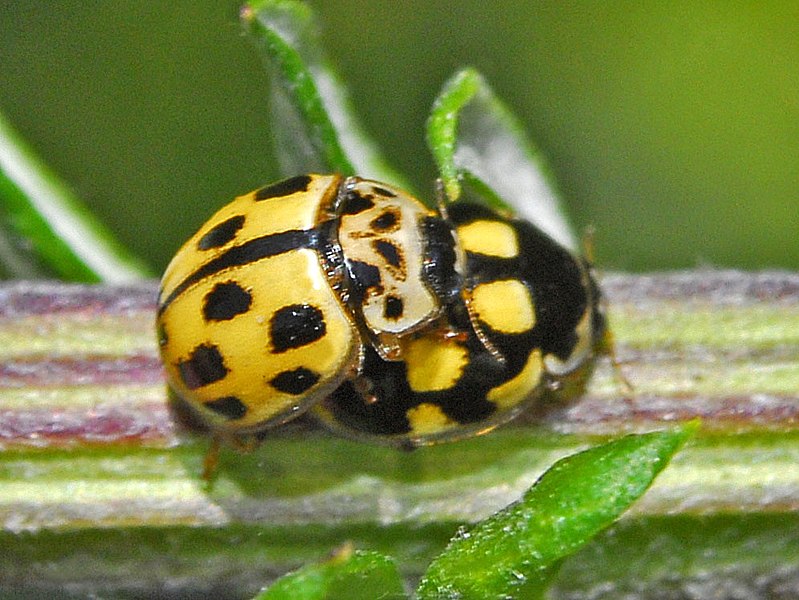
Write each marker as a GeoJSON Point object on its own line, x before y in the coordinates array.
{"type": "Point", "coordinates": [672, 127]}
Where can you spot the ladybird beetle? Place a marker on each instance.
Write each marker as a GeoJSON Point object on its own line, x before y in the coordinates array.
{"type": "Point", "coordinates": [268, 307]}
{"type": "Point", "coordinates": [393, 322]}
{"type": "Point", "coordinates": [528, 314]}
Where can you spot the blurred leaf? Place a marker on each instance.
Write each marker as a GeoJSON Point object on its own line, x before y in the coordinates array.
{"type": "Point", "coordinates": [313, 124]}
{"type": "Point", "coordinates": [515, 550]}
{"type": "Point", "coordinates": [51, 232]}
{"type": "Point", "coordinates": [347, 575]}
{"type": "Point", "coordinates": [474, 137]}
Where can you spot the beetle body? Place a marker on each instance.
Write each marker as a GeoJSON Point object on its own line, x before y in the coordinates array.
{"type": "Point", "coordinates": [527, 316]}
{"type": "Point", "coordinates": [389, 321]}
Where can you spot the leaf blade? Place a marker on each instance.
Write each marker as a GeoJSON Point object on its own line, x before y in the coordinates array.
{"type": "Point", "coordinates": [355, 575]}
{"type": "Point", "coordinates": [58, 231]}
{"type": "Point", "coordinates": [575, 499]}
{"type": "Point", "coordinates": [314, 125]}
{"type": "Point", "coordinates": [474, 136]}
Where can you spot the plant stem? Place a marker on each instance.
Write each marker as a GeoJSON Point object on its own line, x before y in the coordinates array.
{"type": "Point", "coordinates": [89, 437]}
{"type": "Point", "coordinates": [90, 442]}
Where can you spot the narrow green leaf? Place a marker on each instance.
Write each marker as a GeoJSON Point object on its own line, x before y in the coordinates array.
{"type": "Point", "coordinates": [314, 126]}
{"type": "Point", "coordinates": [349, 575]}
{"type": "Point", "coordinates": [575, 499]}
{"type": "Point", "coordinates": [50, 226]}
{"type": "Point", "coordinates": [473, 136]}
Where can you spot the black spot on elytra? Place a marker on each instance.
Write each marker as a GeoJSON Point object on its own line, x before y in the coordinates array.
{"type": "Point", "coordinates": [226, 301]}
{"type": "Point", "coordinates": [388, 251]}
{"type": "Point", "coordinates": [393, 308]}
{"type": "Point", "coordinates": [229, 407]}
{"type": "Point", "coordinates": [295, 382]}
{"type": "Point", "coordinates": [380, 191]}
{"type": "Point", "coordinates": [284, 188]}
{"type": "Point", "coordinates": [296, 325]}
{"type": "Point", "coordinates": [221, 234]}
{"type": "Point", "coordinates": [354, 203]}
{"type": "Point", "coordinates": [386, 221]}
{"type": "Point", "coordinates": [204, 366]}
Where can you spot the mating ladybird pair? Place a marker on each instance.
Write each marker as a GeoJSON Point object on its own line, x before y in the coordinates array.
{"type": "Point", "coordinates": [388, 321]}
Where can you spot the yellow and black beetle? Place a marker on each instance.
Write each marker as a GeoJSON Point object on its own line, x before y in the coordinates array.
{"type": "Point", "coordinates": [390, 321]}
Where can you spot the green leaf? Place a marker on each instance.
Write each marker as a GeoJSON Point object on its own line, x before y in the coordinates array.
{"type": "Point", "coordinates": [516, 550]}
{"type": "Point", "coordinates": [314, 126]}
{"type": "Point", "coordinates": [347, 575]}
{"type": "Point", "coordinates": [475, 138]}
{"type": "Point", "coordinates": [50, 230]}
